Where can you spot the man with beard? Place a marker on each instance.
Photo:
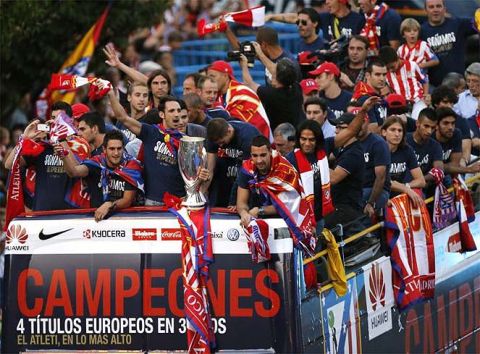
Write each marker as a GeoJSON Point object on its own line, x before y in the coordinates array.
{"type": "Point", "coordinates": [450, 139]}
{"type": "Point", "coordinates": [427, 150]}
{"type": "Point", "coordinates": [353, 69]}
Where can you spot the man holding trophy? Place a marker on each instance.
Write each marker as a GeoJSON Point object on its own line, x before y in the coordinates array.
{"type": "Point", "coordinates": [160, 145]}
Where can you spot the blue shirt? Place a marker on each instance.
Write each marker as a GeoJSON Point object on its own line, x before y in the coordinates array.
{"type": "Point", "coordinates": [349, 190]}
{"type": "Point", "coordinates": [229, 160]}
{"type": "Point", "coordinates": [348, 25]}
{"type": "Point", "coordinates": [338, 105]}
{"type": "Point", "coordinates": [378, 113]}
{"type": "Point", "coordinates": [451, 146]}
{"type": "Point", "coordinates": [161, 166]}
{"type": "Point", "coordinates": [448, 43]}
{"type": "Point", "coordinates": [375, 153]}
{"type": "Point", "coordinates": [426, 153]}
{"type": "Point", "coordinates": [51, 181]}
{"type": "Point", "coordinates": [403, 160]}
{"type": "Point", "coordinates": [317, 44]}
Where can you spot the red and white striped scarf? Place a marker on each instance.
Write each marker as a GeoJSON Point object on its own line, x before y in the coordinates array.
{"type": "Point", "coordinates": [466, 214]}
{"type": "Point", "coordinates": [410, 238]}
{"type": "Point", "coordinates": [370, 28]}
{"type": "Point", "coordinates": [257, 233]}
{"type": "Point", "coordinates": [197, 255]}
{"type": "Point", "coordinates": [307, 177]}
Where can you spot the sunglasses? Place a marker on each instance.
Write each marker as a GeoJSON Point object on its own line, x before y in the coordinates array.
{"type": "Point", "coordinates": [301, 22]}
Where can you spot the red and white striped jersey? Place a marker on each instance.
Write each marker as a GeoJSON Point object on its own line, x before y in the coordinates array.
{"type": "Point", "coordinates": [407, 81]}
{"type": "Point", "coordinates": [419, 53]}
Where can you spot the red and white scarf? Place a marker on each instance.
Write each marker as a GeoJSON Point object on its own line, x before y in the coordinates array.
{"type": "Point", "coordinates": [197, 255]}
{"type": "Point", "coordinates": [282, 185]}
{"type": "Point", "coordinates": [307, 177]}
{"type": "Point", "coordinates": [370, 28]}
{"type": "Point", "coordinates": [410, 239]}
{"type": "Point", "coordinates": [466, 214]}
{"type": "Point", "coordinates": [257, 235]}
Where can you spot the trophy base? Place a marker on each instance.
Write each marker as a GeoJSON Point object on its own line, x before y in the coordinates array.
{"type": "Point", "coordinates": [195, 201]}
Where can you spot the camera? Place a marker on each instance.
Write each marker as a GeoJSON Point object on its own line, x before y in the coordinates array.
{"type": "Point", "coordinates": [247, 49]}
{"type": "Point", "coordinates": [43, 128]}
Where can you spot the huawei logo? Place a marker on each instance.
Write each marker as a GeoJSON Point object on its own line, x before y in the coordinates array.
{"type": "Point", "coordinates": [17, 232]}
{"type": "Point", "coordinates": [377, 287]}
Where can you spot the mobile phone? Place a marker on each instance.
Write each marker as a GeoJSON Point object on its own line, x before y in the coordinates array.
{"type": "Point", "coordinates": [43, 127]}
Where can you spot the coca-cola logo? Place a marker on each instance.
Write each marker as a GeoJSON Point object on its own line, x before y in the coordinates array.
{"type": "Point", "coordinates": [144, 234]}
{"type": "Point", "coordinates": [170, 234]}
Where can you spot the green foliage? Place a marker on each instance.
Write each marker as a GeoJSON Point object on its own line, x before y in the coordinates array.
{"type": "Point", "coordinates": [37, 36]}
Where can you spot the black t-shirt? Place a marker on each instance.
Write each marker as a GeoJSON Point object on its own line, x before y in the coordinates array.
{"type": "Point", "coordinates": [349, 190]}
{"type": "Point", "coordinates": [451, 146]}
{"type": "Point", "coordinates": [51, 181]}
{"type": "Point", "coordinates": [376, 153]}
{"type": "Point", "coordinates": [229, 160]}
{"type": "Point", "coordinates": [448, 43]}
{"type": "Point", "coordinates": [282, 104]}
{"type": "Point", "coordinates": [256, 199]}
{"type": "Point", "coordinates": [348, 25]}
{"type": "Point", "coordinates": [116, 187]}
{"type": "Point", "coordinates": [402, 160]}
{"type": "Point", "coordinates": [426, 153]}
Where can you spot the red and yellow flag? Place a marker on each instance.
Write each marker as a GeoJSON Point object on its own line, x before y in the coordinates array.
{"type": "Point", "coordinates": [77, 62]}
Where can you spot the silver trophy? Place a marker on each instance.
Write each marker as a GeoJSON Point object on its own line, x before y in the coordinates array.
{"type": "Point", "coordinates": [191, 157]}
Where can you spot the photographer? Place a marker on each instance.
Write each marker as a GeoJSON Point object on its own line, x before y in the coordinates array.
{"type": "Point", "coordinates": [267, 38]}
{"type": "Point", "coordinates": [283, 100]}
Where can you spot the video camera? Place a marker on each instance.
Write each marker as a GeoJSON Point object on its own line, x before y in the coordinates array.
{"type": "Point", "coordinates": [247, 49]}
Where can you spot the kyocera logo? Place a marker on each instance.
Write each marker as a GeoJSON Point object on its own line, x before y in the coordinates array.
{"type": "Point", "coordinates": [171, 234]}
{"type": "Point", "coordinates": [144, 234]}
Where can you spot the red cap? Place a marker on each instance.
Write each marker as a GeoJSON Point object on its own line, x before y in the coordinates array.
{"type": "Point", "coordinates": [79, 109]}
{"type": "Point", "coordinates": [223, 67]}
{"type": "Point", "coordinates": [309, 85]}
{"type": "Point", "coordinates": [305, 58]}
{"type": "Point", "coordinates": [326, 67]}
{"type": "Point", "coordinates": [395, 101]}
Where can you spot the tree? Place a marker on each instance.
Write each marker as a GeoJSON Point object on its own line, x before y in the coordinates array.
{"type": "Point", "coordinates": [38, 35]}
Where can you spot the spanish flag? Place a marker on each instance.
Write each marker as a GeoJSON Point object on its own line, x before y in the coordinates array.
{"type": "Point", "coordinates": [77, 62]}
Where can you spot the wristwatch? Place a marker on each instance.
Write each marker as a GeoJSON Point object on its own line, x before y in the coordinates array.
{"type": "Point", "coordinates": [373, 204]}
{"type": "Point", "coordinates": [261, 211]}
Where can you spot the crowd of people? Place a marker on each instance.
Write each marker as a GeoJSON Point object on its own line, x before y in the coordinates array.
{"type": "Point", "coordinates": [371, 107]}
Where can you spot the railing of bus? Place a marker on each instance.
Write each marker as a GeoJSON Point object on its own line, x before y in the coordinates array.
{"type": "Point", "coordinates": [366, 231]}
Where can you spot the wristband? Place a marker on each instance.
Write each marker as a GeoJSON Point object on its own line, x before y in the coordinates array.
{"type": "Point", "coordinates": [261, 211]}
